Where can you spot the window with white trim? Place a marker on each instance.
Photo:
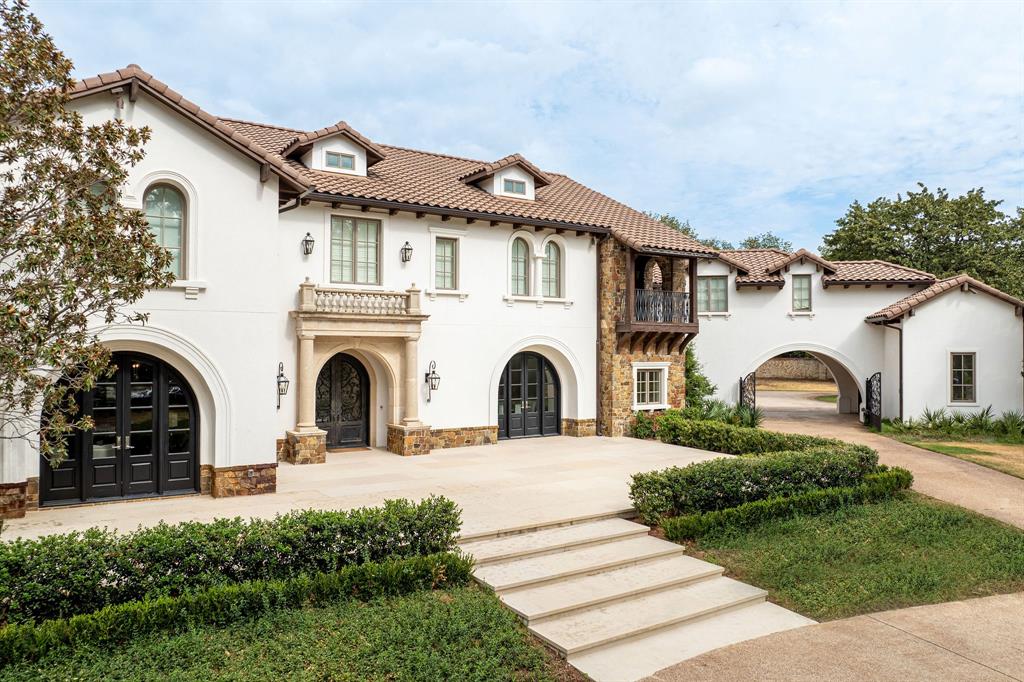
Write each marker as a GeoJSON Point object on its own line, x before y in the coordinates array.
{"type": "Point", "coordinates": [340, 161]}
{"type": "Point", "coordinates": [801, 293]}
{"type": "Point", "coordinates": [551, 276]}
{"type": "Point", "coordinates": [514, 187]}
{"type": "Point", "coordinates": [713, 294]}
{"type": "Point", "coordinates": [650, 385]}
{"type": "Point", "coordinates": [446, 254]}
{"type": "Point", "coordinates": [963, 377]}
{"type": "Point", "coordinates": [165, 212]}
{"type": "Point", "coordinates": [520, 266]}
{"type": "Point", "coordinates": [355, 250]}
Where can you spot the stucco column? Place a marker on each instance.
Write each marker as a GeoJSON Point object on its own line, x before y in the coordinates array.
{"type": "Point", "coordinates": [411, 362]}
{"type": "Point", "coordinates": [307, 384]}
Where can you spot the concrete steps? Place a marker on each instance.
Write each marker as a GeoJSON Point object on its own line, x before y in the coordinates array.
{"type": "Point", "coordinates": [616, 602]}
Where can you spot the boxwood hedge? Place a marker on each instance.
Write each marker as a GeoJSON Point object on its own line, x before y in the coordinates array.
{"type": "Point", "coordinates": [59, 576]}
{"type": "Point", "coordinates": [672, 427]}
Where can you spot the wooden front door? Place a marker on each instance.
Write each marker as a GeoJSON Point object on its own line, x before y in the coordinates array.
{"type": "Point", "coordinates": [144, 441]}
{"type": "Point", "coordinates": [343, 402]}
{"type": "Point", "coordinates": [529, 398]}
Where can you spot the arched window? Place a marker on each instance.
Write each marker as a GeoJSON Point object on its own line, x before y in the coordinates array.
{"type": "Point", "coordinates": [552, 275]}
{"type": "Point", "coordinates": [520, 267]}
{"type": "Point", "coordinates": [165, 211]}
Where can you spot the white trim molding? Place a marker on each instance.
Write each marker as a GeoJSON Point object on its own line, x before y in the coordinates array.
{"type": "Point", "coordinates": [663, 366]}
{"type": "Point", "coordinates": [456, 233]}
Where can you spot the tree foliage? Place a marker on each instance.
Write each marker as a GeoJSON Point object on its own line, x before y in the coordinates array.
{"type": "Point", "coordinates": [935, 232]}
{"type": "Point", "coordinates": [766, 240]}
{"type": "Point", "coordinates": [71, 255]}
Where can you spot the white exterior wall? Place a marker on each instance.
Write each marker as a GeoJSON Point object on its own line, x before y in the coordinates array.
{"type": "Point", "coordinates": [967, 322]}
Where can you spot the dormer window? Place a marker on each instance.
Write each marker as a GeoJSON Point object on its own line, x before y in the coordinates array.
{"type": "Point", "coordinates": [515, 187]}
{"type": "Point", "coordinates": [340, 161]}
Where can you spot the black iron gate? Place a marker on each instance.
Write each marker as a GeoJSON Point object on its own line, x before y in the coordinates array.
{"type": "Point", "coordinates": [873, 404]}
{"type": "Point", "coordinates": [748, 390]}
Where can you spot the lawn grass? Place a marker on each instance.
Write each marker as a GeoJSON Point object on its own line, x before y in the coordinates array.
{"type": "Point", "coordinates": [1005, 457]}
{"type": "Point", "coordinates": [827, 398]}
{"type": "Point", "coordinates": [906, 551]}
{"type": "Point", "coordinates": [461, 634]}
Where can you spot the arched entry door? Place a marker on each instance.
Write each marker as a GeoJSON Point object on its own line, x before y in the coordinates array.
{"type": "Point", "coordinates": [145, 441]}
{"type": "Point", "coordinates": [529, 398]}
{"type": "Point", "coordinates": [343, 402]}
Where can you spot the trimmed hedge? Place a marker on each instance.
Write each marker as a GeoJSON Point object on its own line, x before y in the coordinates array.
{"type": "Point", "coordinates": [730, 482]}
{"type": "Point", "coordinates": [226, 604]}
{"type": "Point", "coordinates": [875, 487]}
{"type": "Point", "coordinates": [59, 576]}
{"type": "Point", "coordinates": [673, 427]}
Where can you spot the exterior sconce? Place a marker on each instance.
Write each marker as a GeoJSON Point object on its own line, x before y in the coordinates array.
{"type": "Point", "coordinates": [282, 383]}
{"type": "Point", "coordinates": [406, 253]}
{"type": "Point", "coordinates": [432, 379]}
{"type": "Point", "coordinates": [307, 244]}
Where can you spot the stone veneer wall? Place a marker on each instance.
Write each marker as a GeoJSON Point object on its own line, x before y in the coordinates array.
{"type": "Point", "coordinates": [616, 387]}
{"type": "Point", "coordinates": [794, 368]}
{"type": "Point", "coordinates": [406, 441]}
{"type": "Point", "coordinates": [579, 428]}
{"type": "Point", "coordinates": [247, 479]}
{"type": "Point", "coordinates": [13, 500]}
{"type": "Point", "coordinates": [303, 448]}
{"type": "Point", "coordinates": [458, 438]}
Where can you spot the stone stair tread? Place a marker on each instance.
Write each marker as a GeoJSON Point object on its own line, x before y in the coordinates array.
{"type": "Point", "coordinates": [525, 544]}
{"type": "Point", "coordinates": [639, 657]}
{"type": "Point", "coordinates": [520, 572]}
{"type": "Point", "coordinates": [581, 630]}
{"type": "Point", "coordinates": [548, 599]}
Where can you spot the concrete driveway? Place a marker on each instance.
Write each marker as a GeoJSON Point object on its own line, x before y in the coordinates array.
{"type": "Point", "coordinates": [985, 491]}
{"type": "Point", "coordinates": [511, 484]}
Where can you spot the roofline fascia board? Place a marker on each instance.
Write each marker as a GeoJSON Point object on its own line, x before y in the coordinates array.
{"type": "Point", "coordinates": [135, 84]}
{"type": "Point", "coordinates": [453, 212]}
{"type": "Point", "coordinates": [857, 282]}
{"type": "Point", "coordinates": [672, 252]}
{"type": "Point", "coordinates": [779, 285]}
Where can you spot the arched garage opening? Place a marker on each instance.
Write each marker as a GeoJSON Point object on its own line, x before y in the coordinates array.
{"type": "Point", "coordinates": [803, 379]}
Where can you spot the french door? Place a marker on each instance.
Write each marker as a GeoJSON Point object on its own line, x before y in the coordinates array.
{"type": "Point", "coordinates": [144, 441]}
{"type": "Point", "coordinates": [529, 398]}
{"type": "Point", "coordinates": [343, 402]}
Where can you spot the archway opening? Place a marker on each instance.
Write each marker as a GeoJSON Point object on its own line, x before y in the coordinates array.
{"type": "Point", "coordinates": [803, 383]}
{"type": "Point", "coordinates": [529, 397]}
{"type": "Point", "coordinates": [343, 402]}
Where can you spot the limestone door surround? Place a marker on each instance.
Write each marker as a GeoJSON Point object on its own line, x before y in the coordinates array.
{"type": "Point", "coordinates": [381, 329]}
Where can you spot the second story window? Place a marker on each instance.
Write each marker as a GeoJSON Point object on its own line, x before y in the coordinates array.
{"type": "Point", "coordinates": [552, 274]}
{"type": "Point", "coordinates": [355, 250]}
{"type": "Point", "coordinates": [340, 161]}
{"type": "Point", "coordinates": [520, 268]}
{"type": "Point", "coordinates": [514, 187]}
{"type": "Point", "coordinates": [446, 253]}
{"type": "Point", "coordinates": [801, 293]}
{"type": "Point", "coordinates": [165, 212]}
{"type": "Point", "coordinates": [713, 294]}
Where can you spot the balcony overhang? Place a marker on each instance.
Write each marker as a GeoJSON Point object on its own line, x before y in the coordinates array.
{"type": "Point", "coordinates": [331, 311]}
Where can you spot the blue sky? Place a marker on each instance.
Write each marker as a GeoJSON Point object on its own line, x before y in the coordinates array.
{"type": "Point", "coordinates": [741, 117]}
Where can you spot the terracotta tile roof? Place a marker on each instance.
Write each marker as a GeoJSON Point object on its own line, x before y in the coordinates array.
{"type": "Point", "coordinates": [866, 271]}
{"type": "Point", "coordinates": [428, 179]}
{"type": "Point", "coordinates": [762, 267]}
{"type": "Point", "coordinates": [801, 255]}
{"type": "Point", "coordinates": [489, 169]}
{"type": "Point", "coordinates": [755, 264]}
{"type": "Point", "coordinates": [905, 305]}
{"type": "Point", "coordinates": [304, 140]}
{"type": "Point", "coordinates": [132, 76]}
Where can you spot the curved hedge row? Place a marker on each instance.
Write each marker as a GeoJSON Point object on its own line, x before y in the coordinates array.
{"type": "Point", "coordinates": [59, 576]}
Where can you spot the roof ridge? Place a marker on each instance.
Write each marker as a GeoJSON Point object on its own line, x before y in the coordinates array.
{"type": "Point", "coordinates": [261, 125]}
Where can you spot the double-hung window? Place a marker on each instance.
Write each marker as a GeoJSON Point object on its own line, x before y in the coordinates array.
{"type": "Point", "coordinates": [964, 376]}
{"type": "Point", "coordinates": [713, 294]}
{"type": "Point", "coordinates": [446, 254]}
{"type": "Point", "coordinates": [355, 250]}
{"type": "Point", "coordinates": [650, 386]}
{"type": "Point", "coordinates": [801, 293]}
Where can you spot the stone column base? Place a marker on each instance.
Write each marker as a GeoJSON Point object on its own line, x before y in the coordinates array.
{"type": "Point", "coordinates": [13, 500]}
{"type": "Point", "coordinates": [579, 428]}
{"type": "Point", "coordinates": [409, 440]}
{"type": "Point", "coordinates": [304, 447]}
{"type": "Point", "coordinates": [247, 479]}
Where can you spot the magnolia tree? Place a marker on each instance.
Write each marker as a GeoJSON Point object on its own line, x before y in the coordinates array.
{"type": "Point", "coordinates": [72, 257]}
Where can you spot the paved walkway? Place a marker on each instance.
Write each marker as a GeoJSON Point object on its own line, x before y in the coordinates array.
{"type": "Point", "coordinates": [986, 491]}
{"type": "Point", "coordinates": [978, 639]}
{"type": "Point", "coordinates": [513, 483]}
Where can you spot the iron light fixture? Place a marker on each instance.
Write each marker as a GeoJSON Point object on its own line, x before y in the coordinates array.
{"type": "Point", "coordinates": [282, 383]}
{"type": "Point", "coordinates": [307, 244]}
{"type": "Point", "coordinates": [406, 253]}
{"type": "Point", "coordinates": [432, 379]}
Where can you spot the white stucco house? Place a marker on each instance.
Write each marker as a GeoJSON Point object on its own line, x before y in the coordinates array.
{"type": "Point", "coordinates": [335, 292]}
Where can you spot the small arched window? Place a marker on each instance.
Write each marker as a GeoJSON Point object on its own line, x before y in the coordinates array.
{"type": "Point", "coordinates": [520, 267]}
{"type": "Point", "coordinates": [552, 275]}
{"type": "Point", "coordinates": [165, 211]}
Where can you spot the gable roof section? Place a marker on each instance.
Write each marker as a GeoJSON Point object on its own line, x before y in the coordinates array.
{"type": "Point", "coordinates": [871, 271]}
{"type": "Point", "coordinates": [908, 303]}
{"type": "Point", "coordinates": [755, 264]}
{"type": "Point", "coordinates": [489, 169]}
{"type": "Point", "coordinates": [304, 141]}
{"type": "Point", "coordinates": [135, 79]}
{"type": "Point", "coordinates": [801, 255]}
{"type": "Point", "coordinates": [763, 267]}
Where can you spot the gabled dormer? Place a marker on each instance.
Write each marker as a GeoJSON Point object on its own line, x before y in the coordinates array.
{"type": "Point", "coordinates": [512, 176]}
{"type": "Point", "coordinates": [338, 148]}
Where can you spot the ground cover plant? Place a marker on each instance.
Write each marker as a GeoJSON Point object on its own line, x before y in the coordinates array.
{"type": "Point", "coordinates": [902, 551]}
{"type": "Point", "coordinates": [62, 575]}
{"type": "Point", "coordinates": [455, 634]}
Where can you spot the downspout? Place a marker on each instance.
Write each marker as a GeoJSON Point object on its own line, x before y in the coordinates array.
{"type": "Point", "coordinates": [294, 203]}
{"type": "Point", "coordinates": [900, 332]}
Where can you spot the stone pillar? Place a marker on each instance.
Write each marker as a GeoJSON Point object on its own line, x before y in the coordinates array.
{"type": "Point", "coordinates": [411, 362]}
{"type": "Point", "coordinates": [307, 384]}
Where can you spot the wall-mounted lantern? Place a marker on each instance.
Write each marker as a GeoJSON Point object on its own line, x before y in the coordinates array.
{"type": "Point", "coordinates": [307, 244]}
{"type": "Point", "coordinates": [282, 383]}
{"type": "Point", "coordinates": [432, 379]}
{"type": "Point", "coordinates": [406, 253]}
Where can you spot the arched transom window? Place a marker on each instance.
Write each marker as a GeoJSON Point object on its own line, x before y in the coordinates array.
{"type": "Point", "coordinates": [520, 267]}
{"type": "Point", "coordinates": [165, 211]}
{"type": "Point", "coordinates": [552, 274]}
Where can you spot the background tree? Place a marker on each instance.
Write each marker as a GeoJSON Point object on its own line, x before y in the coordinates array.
{"type": "Point", "coordinates": [937, 233]}
{"type": "Point", "coordinates": [684, 227]}
{"type": "Point", "coordinates": [71, 256]}
{"type": "Point", "coordinates": [766, 240]}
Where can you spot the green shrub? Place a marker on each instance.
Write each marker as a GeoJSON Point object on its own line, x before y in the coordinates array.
{"type": "Point", "coordinates": [877, 486]}
{"type": "Point", "coordinates": [698, 387]}
{"type": "Point", "coordinates": [939, 423]}
{"type": "Point", "coordinates": [729, 482]}
{"type": "Point", "coordinates": [673, 427]}
{"type": "Point", "coordinates": [58, 576]}
{"type": "Point", "coordinates": [226, 604]}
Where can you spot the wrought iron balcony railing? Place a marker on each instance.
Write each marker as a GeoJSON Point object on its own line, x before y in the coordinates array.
{"type": "Point", "coordinates": [653, 306]}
